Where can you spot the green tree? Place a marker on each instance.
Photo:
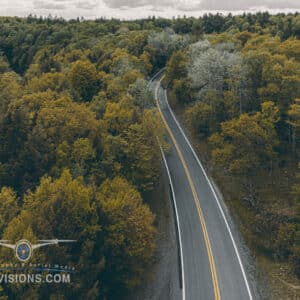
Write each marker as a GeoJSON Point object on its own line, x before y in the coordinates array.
{"type": "Point", "coordinates": [142, 162]}
{"type": "Point", "coordinates": [141, 95]}
{"type": "Point", "coordinates": [64, 207]}
{"type": "Point", "coordinates": [84, 80]}
{"type": "Point", "coordinates": [4, 66]}
{"type": "Point", "coordinates": [82, 155]}
{"type": "Point", "coordinates": [247, 143]}
{"type": "Point", "coordinates": [199, 117]}
{"type": "Point", "coordinates": [118, 117]}
{"type": "Point", "coordinates": [10, 89]}
{"type": "Point", "coordinates": [296, 187]}
{"type": "Point", "coordinates": [163, 44]}
{"type": "Point", "coordinates": [9, 206]}
{"type": "Point", "coordinates": [129, 238]}
{"type": "Point", "coordinates": [57, 122]}
{"type": "Point", "coordinates": [294, 114]}
{"type": "Point", "coordinates": [176, 67]}
{"type": "Point", "coordinates": [182, 90]}
{"type": "Point", "coordinates": [74, 214]}
{"type": "Point", "coordinates": [52, 81]}
{"type": "Point", "coordinates": [285, 240]}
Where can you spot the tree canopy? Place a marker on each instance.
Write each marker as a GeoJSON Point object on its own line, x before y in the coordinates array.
{"type": "Point", "coordinates": [79, 128]}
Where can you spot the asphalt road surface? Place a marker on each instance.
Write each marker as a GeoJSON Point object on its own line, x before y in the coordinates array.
{"type": "Point", "coordinates": [213, 265]}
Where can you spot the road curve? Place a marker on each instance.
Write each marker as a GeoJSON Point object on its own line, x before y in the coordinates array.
{"type": "Point", "coordinates": [212, 265]}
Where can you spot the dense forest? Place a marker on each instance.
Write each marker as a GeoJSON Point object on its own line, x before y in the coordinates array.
{"type": "Point", "coordinates": [238, 92]}
{"type": "Point", "coordinates": [79, 128]}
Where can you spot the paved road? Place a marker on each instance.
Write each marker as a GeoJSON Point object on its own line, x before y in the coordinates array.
{"type": "Point", "coordinates": [213, 266]}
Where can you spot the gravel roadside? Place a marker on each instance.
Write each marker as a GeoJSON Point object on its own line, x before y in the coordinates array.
{"type": "Point", "coordinates": [162, 280]}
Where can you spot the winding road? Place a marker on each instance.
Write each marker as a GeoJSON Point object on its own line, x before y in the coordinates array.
{"type": "Point", "coordinates": [212, 263]}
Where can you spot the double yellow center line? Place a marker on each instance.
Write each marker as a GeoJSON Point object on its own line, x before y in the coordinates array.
{"type": "Point", "coordinates": [197, 202]}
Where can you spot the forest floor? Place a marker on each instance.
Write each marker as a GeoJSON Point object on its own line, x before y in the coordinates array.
{"type": "Point", "coordinates": [275, 280]}
{"type": "Point", "coordinates": [162, 280]}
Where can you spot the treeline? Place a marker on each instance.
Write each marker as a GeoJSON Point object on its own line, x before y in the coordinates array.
{"type": "Point", "coordinates": [21, 39]}
{"type": "Point", "coordinates": [240, 95]}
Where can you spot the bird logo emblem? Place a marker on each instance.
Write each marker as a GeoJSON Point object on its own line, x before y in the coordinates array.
{"type": "Point", "coordinates": [23, 248]}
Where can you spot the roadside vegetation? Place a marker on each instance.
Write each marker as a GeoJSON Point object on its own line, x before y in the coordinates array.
{"type": "Point", "coordinates": [78, 135]}
{"type": "Point", "coordinates": [78, 152]}
{"type": "Point", "coordinates": [238, 92]}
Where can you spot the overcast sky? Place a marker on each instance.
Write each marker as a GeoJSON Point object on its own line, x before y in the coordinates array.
{"type": "Point", "coordinates": [131, 9]}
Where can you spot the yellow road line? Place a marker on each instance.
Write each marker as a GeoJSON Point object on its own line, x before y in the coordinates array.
{"type": "Point", "coordinates": [197, 202]}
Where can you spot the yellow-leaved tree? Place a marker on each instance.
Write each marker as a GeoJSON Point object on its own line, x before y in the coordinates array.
{"type": "Point", "coordinates": [129, 232]}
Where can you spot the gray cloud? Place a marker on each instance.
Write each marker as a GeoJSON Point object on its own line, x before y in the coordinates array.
{"type": "Point", "coordinates": [277, 4]}
{"type": "Point", "coordinates": [139, 3]}
{"type": "Point", "coordinates": [233, 5]}
{"type": "Point", "coordinates": [131, 9]}
{"type": "Point", "coordinates": [48, 5]}
{"type": "Point", "coordinates": [65, 4]}
{"type": "Point", "coordinates": [86, 4]}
